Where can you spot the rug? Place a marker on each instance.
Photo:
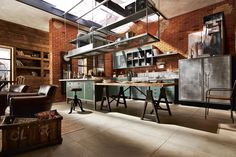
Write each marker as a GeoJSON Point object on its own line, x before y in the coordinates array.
{"type": "Point", "coordinates": [70, 125]}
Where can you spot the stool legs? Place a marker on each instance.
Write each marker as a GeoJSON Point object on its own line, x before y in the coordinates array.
{"type": "Point", "coordinates": [76, 102]}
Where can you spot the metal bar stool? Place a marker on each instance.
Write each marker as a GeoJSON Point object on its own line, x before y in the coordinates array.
{"type": "Point", "coordinates": [76, 101]}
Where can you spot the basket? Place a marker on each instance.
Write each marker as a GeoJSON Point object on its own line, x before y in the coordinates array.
{"type": "Point", "coordinates": [25, 134]}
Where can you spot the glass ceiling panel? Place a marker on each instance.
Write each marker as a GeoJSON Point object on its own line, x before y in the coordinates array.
{"type": "Point", "coordinates": [101, 15]}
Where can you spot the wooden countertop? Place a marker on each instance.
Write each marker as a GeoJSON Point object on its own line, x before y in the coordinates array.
{"type": "Point", "coordinates": [97, 80]}
{"type": "Point", "coordinates": [164, 84]}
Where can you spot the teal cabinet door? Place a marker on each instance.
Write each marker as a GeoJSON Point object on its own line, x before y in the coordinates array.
{"type": "Point", "coordinates": [155, 92]}
{"type": "Point", "coordinates": [113, 90]}
{"type": "Point", "coordinates": [89, 90]}
{"type": "Point", "coordinates": [136, 94]}
{"type": "Point", "coordinates": [70, 85]}
{"type": "Point", "coordinates": [170, 93]}
{"type": "Point", "coordinates": [119, 60]}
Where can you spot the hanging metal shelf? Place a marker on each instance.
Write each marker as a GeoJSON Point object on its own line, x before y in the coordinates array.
{"type": "Point", "coordinates": [112, 46]}
{"type": "Point", "coordinates": [93, 49]}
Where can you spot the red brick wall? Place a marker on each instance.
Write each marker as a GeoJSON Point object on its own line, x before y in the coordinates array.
{"type": "Point", "coordinates": [59, 41]}
{"type": "Point", "coordinates": [175, 34]}
{"type": "Point", "coordinates": [179, 27]}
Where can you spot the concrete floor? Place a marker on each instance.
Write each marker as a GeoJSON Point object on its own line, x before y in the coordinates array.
{"type": "Point", "coordinates": [121, 133]}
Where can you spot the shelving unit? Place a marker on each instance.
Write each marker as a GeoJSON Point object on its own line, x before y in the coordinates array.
{"type": "Point", "coordinates": [138, 57]}
{"type": "Point", "coordinates": [115, 45]}
{"type": "Point", "coordinates": [34, 65]}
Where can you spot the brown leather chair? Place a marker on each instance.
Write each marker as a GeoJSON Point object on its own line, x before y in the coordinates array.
{"type": "Point", "coordinates": [4, 95]}
{"type": "Point", "coordinates": [28, 104]}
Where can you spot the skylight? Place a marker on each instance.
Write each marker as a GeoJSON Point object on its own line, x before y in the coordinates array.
{"type": "Point", "coordinates": [102, 15]}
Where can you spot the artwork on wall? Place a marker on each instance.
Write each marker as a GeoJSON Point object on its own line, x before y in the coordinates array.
{"type": "Point", "coordinates": [208, 42]}
{"type": "Point", "coordinates": [195, 45]}
{"type": "Point", "coordinates": [213, 39]}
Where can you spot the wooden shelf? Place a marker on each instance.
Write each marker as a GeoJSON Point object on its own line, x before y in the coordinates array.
{"type": "Point", "coordinates": [29, 58]}
{"type": "Point", "coordinates": [164, 55]}
{"type": "Point", "coordinates": [29, 67]}
{"type": "Point", "coordinates": [31, 62]}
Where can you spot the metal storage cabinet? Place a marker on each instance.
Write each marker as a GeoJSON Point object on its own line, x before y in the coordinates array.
{"type": "Point", "coordinates": [190, 80]}
{"type": "Point", "coordinates": [199, 74]}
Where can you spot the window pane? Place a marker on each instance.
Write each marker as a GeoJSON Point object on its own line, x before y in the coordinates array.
{"type": "Point", "coordinates": [5, 64]}
{"type": "Point", "coordinates": [5, 53]}
{"type": "Point", "coordinates": [5, 75]}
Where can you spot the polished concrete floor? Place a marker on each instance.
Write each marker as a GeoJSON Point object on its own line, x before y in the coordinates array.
{"type": "Point", "coordinates": [121, 133]}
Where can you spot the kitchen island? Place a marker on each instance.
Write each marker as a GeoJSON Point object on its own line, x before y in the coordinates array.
{"type": "Point", "coordinates": [92, 89]}
{"type": "Point", "coordinates": [88, 93]}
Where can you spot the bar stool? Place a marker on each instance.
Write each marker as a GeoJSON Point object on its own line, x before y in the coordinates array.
{"type": "Point", "coordinates": [76, 101]}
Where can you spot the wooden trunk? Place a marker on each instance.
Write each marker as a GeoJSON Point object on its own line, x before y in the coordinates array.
{"type": "Point", "coordinates": [29, 133]}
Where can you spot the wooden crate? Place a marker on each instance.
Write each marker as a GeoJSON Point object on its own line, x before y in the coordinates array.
{"type": "Point", "coordinates": [29, 133]}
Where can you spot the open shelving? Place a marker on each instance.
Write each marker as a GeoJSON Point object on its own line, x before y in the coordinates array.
{"type": "Point", "coordinates": [138, 57]}
{"type": "Point", "coordinates": [33, 65]}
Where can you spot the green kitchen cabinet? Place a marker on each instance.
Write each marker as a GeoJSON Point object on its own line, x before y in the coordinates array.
{"type": "Point", "coordinates": [136, 94]}
{"type": "Point", "coordinates": [119, 60]}
{"type": "Point", "coordinates": [114, 90]}
{"type": "Point", "coordinates": [70, 85]}
{"type": "Point", "coordinates": [89, 90]}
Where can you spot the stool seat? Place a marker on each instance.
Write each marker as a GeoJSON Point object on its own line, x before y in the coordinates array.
{"type": "Point", "coordinates": [76, 101]}
{"type": "Point", "coordinates": [76, 89]}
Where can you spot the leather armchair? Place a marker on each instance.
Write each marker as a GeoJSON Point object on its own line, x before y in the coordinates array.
{"type": "Point", "coordinates": [27, 104]}
{"type": "Point", "coordinates": [4, 95]}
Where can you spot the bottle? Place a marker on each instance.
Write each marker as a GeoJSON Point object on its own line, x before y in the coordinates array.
{"type": "Point", "coordinates": [114, 74]}
{"type": "Point", "coordinates": [129, 76]}
{"type": "Point", "coordinates": [68, 71]}
{"type": "Point", "coordinates": [74, 75]}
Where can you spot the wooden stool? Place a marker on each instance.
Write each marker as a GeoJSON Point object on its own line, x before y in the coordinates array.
{"type": "Point", "coordinates": [76, 101]}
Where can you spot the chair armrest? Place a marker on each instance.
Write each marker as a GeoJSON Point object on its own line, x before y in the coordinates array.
{"type": "Point", "coordinates": [208, 92]}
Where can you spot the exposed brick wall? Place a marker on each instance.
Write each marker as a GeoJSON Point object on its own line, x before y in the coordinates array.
{"type": "Point", "coordinates": [108, 64]}
{"type": "Point", "coordinates": [59, 41]}
{"type": "Point", "coordinates": [179, 27]}
{"type": "Point", "coordinates": [175, 31]}
{"type": "Point", "coordinates": [20, 36]}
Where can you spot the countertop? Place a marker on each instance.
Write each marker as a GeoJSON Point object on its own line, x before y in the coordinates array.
{"type": "Point", "coordinates": [87, 79]}
{"type": "Point", "coordinates": [137, 84]}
